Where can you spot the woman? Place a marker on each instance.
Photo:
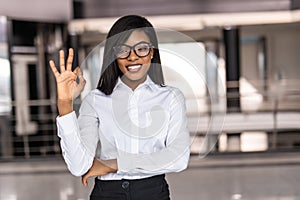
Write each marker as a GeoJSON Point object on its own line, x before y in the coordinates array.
{"type": "Point", "coordinates": [139, 125]}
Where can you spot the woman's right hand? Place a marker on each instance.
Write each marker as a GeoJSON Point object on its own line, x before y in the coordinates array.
{"type": "Point", "coordinates": [67, 87]}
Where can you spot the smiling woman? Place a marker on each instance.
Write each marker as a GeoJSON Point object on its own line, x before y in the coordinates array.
{"type": "Point", "coordinates": [140, 125]}
{"type": "Point", "coordinates": [139, 31]}
{"type": "Point", "coordinates": [136, 64]}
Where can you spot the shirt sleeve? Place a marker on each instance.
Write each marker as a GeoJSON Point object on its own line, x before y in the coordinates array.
{"type": "Point", "coordinates": [79, 138]}
{"type": "Point", "coordinates": [174, 157]}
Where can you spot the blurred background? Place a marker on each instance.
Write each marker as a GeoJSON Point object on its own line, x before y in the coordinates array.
{"type": "Point", "coordinates": [249, 59]}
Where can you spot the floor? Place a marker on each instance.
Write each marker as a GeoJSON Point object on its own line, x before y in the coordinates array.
{"type": "Point", "coordinates": [247, 177]}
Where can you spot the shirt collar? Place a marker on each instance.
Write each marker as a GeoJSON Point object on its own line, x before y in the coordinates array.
{"type": "Point", "coordinates": [147, 83]}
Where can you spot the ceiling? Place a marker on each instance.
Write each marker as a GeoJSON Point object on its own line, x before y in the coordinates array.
{"type": "Point", "coordinates": [115, 8]}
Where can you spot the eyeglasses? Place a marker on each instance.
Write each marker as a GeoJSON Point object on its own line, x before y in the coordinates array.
{"type": "Point", "coordinates": [141, 49]}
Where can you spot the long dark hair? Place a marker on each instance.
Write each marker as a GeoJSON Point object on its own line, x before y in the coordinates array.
{"type": "Point", "coordinates": [119, 33]}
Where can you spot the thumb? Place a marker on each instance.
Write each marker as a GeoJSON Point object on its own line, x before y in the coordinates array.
{"type": "Point", "coordinates": [82, 81]}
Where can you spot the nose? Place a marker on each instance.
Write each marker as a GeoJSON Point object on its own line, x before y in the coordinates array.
{"type": "Point", "coordinates": [132, 56]}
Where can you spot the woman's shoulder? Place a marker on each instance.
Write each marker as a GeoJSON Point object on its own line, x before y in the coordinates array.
{"type": "Point", "coordinates": [170, 89]}
{"type": "Point", "coordinates": [170, 92]}
{"type": "Point", "coordinates": [93, 94]}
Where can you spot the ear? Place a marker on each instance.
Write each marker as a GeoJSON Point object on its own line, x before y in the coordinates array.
{"type": "Point", "coordinates": [152, 52]}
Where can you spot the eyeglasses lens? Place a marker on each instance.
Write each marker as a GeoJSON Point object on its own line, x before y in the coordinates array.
{"type": "Point", "coordinates": [141, 50]}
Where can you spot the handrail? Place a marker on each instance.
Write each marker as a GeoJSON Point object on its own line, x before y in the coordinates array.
{"type": "Point", "coordinates": [50, 142]}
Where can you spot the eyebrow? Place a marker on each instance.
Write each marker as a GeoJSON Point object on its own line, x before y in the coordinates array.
{"type": "Point", "coordinates": [136, 43]}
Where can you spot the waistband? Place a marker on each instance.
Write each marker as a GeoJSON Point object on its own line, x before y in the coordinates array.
{"type": "Point", "coordinates": [136, 183]}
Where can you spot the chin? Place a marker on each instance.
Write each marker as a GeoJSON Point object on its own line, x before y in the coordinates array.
{"type": "Point", "coordinates": [135, 77]}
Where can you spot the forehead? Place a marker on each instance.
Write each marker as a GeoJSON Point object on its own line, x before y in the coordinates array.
{"type": "Point", "coordinates": [136, 37]}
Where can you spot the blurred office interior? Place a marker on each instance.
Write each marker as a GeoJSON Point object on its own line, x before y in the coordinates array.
{"type": "Point", "coordinates": [243, 111]}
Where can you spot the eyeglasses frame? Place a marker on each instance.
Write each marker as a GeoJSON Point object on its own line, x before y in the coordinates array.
{"type": "Point", "coordinates": [132, 48]}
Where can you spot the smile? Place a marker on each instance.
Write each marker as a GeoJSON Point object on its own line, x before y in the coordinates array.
{"type": "Point", "coordinates": [133, 68]}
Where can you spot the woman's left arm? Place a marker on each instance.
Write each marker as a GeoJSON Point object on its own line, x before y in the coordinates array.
{"type": "Point", "coordinates": [174, 157]}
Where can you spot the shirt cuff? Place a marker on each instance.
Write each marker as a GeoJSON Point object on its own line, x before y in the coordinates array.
{"type": "Point", "coordinates": [66, 124]}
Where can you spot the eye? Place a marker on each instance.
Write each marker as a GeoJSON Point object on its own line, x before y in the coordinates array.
{"type": "Point", "coordinates": [142, 47]}
{"type": "Point", "coordinates": [123, 49]}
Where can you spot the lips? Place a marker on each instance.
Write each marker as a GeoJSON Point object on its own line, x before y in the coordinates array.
{"type": "Point", "coordinates": [133, 68]}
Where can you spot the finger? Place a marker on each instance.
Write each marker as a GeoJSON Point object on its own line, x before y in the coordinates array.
{"type": "Point", "coordinates": [53, 68]}
{"type": "Point", "coordinates": [81, 83]}
{"type": "Point", "coordinates": [62, 61]}
{"type": "Point", "coordinates": [77, 71]}
{"type": "Point", "coordinates": [84, 180]}
{"type": "Point", "coordinates": [70, 59]}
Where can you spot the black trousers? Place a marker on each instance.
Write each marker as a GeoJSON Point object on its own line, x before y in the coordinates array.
{"type": "Point", "coordinates": [152, 188]}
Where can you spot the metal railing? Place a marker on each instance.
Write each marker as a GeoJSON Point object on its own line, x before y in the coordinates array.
{"type": "Point", "coordinates": [44, 142]}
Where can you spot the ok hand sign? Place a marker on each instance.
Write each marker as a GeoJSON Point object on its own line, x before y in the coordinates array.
{"type": "Point", "coordinates": [67, 87]}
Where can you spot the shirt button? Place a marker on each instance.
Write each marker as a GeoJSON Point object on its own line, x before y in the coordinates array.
{"type": "Point", "coordinates": [125, 184]}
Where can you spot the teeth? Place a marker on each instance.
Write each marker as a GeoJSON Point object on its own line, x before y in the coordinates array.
{"type": "Point", "coordinates": [133, 67]}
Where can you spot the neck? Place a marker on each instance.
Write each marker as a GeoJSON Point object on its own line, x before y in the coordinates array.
{"type": "Point", "coordinates": [133, 84]}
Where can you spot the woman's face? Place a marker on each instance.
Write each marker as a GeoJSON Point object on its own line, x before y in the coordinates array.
{"type": "Point", "coordinates": [137, 64]}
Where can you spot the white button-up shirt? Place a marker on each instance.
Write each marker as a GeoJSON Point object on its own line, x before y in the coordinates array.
{"type": "Point", "coordinates": [145, 130]}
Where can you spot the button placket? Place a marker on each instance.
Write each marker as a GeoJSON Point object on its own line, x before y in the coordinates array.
{"type": "Point", "coordinates": [135, 119]}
